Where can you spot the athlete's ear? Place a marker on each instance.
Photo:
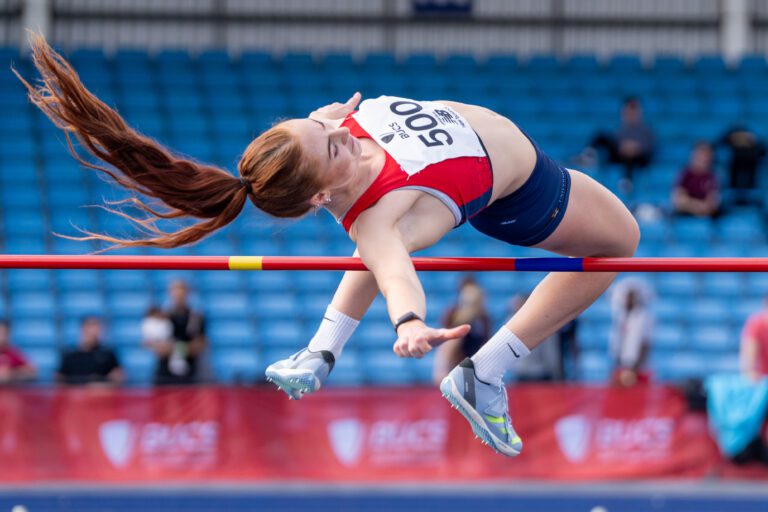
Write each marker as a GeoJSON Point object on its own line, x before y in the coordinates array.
{"type": "Point", "coordinates": [320, 199]}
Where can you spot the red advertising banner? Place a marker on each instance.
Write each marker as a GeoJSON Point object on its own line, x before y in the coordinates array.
{"type": "Point", "coordinates": [230, 434]}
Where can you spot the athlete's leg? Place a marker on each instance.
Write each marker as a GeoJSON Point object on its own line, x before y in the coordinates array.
{"type": "Point", "coordinates": [595, 223]}
{"type": "Point", "coordinates": [306, 370]}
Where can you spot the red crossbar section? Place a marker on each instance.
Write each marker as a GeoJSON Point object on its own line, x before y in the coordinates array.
{"type": "Point", "coordinates": [115, 262]}
{"type": "Point", "coordinates": [348, 263]}
{"type": "Point", "coordinates": [675, 264]}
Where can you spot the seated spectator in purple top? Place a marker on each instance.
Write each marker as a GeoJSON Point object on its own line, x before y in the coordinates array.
{"type": "Point", "coordinates": [697, 192]}
{"type": "Point", "coordinates": [14, 367]}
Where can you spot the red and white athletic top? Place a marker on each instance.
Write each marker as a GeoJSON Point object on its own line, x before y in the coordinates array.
{"type": "Point", "coordinates": [429, 147]}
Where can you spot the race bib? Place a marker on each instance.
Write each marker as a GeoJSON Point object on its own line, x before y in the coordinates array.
{"type": "Point", "coordinates": [417, 133]}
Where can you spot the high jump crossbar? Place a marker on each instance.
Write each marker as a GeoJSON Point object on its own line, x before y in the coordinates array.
{"type": "Point", "coordinates": [557, 264]}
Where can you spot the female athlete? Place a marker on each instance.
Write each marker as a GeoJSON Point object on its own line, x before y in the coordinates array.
{"type": "Point", "coordinates": [398, 174]}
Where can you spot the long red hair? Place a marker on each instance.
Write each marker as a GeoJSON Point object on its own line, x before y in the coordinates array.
{"type": "Point", "coordinates": [274, 172]}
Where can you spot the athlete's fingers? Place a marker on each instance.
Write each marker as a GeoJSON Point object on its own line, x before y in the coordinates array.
{"type": "Point", "coordinates": [353, 101]}
{"type": "Point", "coordinates": [413, 349]}
{"type": "Point", "coordinates": [422, 348]}
{"type": "Point", "coordinates": [420, 345]}
{"type": "Point", "coordinates": [400, 347]}
{"type": "Point", "coordinates": [454, 332]}
{"type": "Point", "coordinates": [442, 335]}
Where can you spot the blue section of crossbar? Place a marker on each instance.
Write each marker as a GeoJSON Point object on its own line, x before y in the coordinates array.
{"type": "Point", "coordinates": [549, 264]}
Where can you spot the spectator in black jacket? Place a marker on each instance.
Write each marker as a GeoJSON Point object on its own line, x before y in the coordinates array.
{"type": "Point", "coordinates": [90, 362]}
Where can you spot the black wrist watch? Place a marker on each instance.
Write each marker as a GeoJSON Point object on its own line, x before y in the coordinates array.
{"type": "Point", "coordinates": [407, 318]}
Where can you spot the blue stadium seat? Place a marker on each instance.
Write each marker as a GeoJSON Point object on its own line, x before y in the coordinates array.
{"type": "Point", "coordinates": [338, 62]}
{"type": "Point", "coordinates": [677, 284]}
{"type": "Point", "coordinates": [373, 333]}
{"type": "Point", "coordinates": [599, 311]}
{"type": "Point", "coordinates": [668, 65]}
{"type": "Point", "coordinates": [138, 363]}
{"type": "Point", "coordinates": [348, 370]}
{"type": "Point", "coordinates": [254, 61]}
{"type": "Point", "coordinates": [80, 304]}
{"type": "Point", "coordinates": [126, 280]}
{"type": "Point", "coordinates": [668, 336]}
{"type": "Point", "coordinates": [384, 368]}
{"type": "Point", "coordinates": [623, 64]}
{"type": "Point", "coordinates": [692, 229]}
{"type": "Point", "coordinates": [121, 332]}
{"type": "Point", "coordinates": [723, 285]}
{"type": "Point", "coordinates": [34, 332]}
{"type": "Point", "coordinates": [669, 309]}
{"type": "Point", "coordinates": [594, 367]}
{"type": "Point", "coordinates": [228, 305]}
{"type": "Point", "coordinates": [711, 309]}
{"type": "Point", "coordinates": [752, 63]}
{"type": "Point", "coordinates": [234, 366]}
{"type": "Point", "coordinates": [679, 366]}
{"type": "Point", "coordinates": [594, 334]}
{"type": "Point", "coordinates": [45, 360]}
{"type": "Point", "coordinates": [232, 333]}
{"type": "Point", "coordinates": [129, 304]}
{"type": "Point", "coordinates": [713, 337]}
{"type": "Point", "coordinates": [29, 305]}
{"type": "Point", "coordinates": [281, 333]}
{"type": "Point", "coordinates": [709, 65]}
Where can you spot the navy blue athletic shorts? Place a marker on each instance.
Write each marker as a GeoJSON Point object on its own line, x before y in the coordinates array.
{"type": "Point", "coordinates": [531, 213]}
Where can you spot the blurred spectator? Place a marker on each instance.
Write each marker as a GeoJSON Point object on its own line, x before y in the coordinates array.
{"type": "Point", "coordinates": [746, 153]}
{"type": "Point", "coordinates": [697, 192]}
{"type": "Point", "coordinates": [178, 361]}
{"type": "Point", "coordinates": [14, 367]}
{"type": "Point", "coordinates": [469, 309]}
{"type": "Point", "coordinates": [754, 345]}
{"type": "Point", "coordinates": [90, 362]}
{"type": "Point", "coordinates": [157, 331]}
{"type": "Point", "coordinates": [737, 410]}
{"type": "Point", "coordinates": [631, 145]}
{"type": "Point", "coordinates": [552, 361]}
{"type": "Point", "coordinates": [631, 331]}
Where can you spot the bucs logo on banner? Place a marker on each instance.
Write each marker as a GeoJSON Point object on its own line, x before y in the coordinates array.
{"type": "Point", "coordinates": [579, 437]}
{"type": "Point", "coordinates": [388, 442]}
{"type": "Point", "coordinates": [347, 438]}
{"type": "Point", "coordinates": [159, 444]}
{"type": "Point", "coordinates": [117, 441]}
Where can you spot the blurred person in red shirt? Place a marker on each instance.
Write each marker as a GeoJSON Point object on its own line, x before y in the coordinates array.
{"type": "Point", "coordinates": [754, 345]}
{"type": "Point", "coordinates": [697, 191]}
{"type": "Point", "coordinates": [14, 367]}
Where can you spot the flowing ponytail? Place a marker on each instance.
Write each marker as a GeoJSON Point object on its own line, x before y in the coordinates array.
{"type": "Point", "coordinates": [187, 188]}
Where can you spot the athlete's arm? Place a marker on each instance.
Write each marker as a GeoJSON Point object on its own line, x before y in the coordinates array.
{"type": "Point", "coordinates": [355, 293]}
{"type": "Point", "coordinates": [385, 241]}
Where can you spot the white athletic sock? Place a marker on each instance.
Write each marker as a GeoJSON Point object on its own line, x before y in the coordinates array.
{"type": "Point", "coordinates": [334, 332]}
{"type": "Point", "coordinates": [498, 355]}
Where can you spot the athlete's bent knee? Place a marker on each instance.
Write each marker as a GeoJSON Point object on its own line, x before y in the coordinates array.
{"type": "Point", "coordinates": [630, 239]}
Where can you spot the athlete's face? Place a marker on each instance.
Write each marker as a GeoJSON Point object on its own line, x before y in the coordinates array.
{"type": "Point", "coordinates": [335, 152]}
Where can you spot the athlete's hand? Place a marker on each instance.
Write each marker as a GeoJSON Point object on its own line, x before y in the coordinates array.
{"type": "Point", "coordinates": [415, 338]}
{"type": "Point", "coordinates": [337, 110]}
